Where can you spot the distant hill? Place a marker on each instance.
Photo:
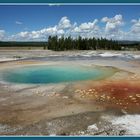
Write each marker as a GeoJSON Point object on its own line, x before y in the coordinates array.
{"type": "Point", "coordinates": [22, 44]}
{"type": "Point", "coordinates": [125, 42]}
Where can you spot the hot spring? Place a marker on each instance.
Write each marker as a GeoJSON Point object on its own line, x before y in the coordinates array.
{"type": "Point", "coordinates": [46, 74]}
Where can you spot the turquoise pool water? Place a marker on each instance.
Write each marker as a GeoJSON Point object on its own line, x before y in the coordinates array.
{"type": "Point", "coordinates": [54, 74]}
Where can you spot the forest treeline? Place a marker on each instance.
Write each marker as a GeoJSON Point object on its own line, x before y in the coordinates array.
{"type": "Point", "coordinates": [69, 43]}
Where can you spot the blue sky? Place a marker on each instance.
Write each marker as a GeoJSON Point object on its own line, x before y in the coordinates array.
{"type": "Point", "coordinates": [22, 22]}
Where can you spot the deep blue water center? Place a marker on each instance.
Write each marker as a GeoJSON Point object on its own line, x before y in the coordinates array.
{"type": "Point", "coordinates": [54, 74]}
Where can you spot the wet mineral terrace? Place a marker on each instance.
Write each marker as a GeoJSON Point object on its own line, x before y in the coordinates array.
{"type": "Point", "coordinates": [120, 94]}
{"type": "Point", "coordinates": [70, 108]}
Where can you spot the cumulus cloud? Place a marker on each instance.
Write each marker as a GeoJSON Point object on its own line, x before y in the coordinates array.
{"type": "Point", "coordinates": [134, 33]}
{"type": "Point", "coordinates": [111, 29]}
{"type": "Point", "coordinates": [19, 23]}
{"type": "Point", "coordinates": [38, 34]}
{"type": "Point", "coordinates": [86, 27]}
{"type": "Point", "coordinates": [136, 26]}
{"type": "Point", "coordinates": [64, 23]}
{"type": "Point", "coordinates": [133, 20]}
{"type": "Point", "coordinates": [113, 24]}
{"type": "Point", "coordinates": [2, 34]}
{"type": "Point", "coordinates": [58, 29]}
